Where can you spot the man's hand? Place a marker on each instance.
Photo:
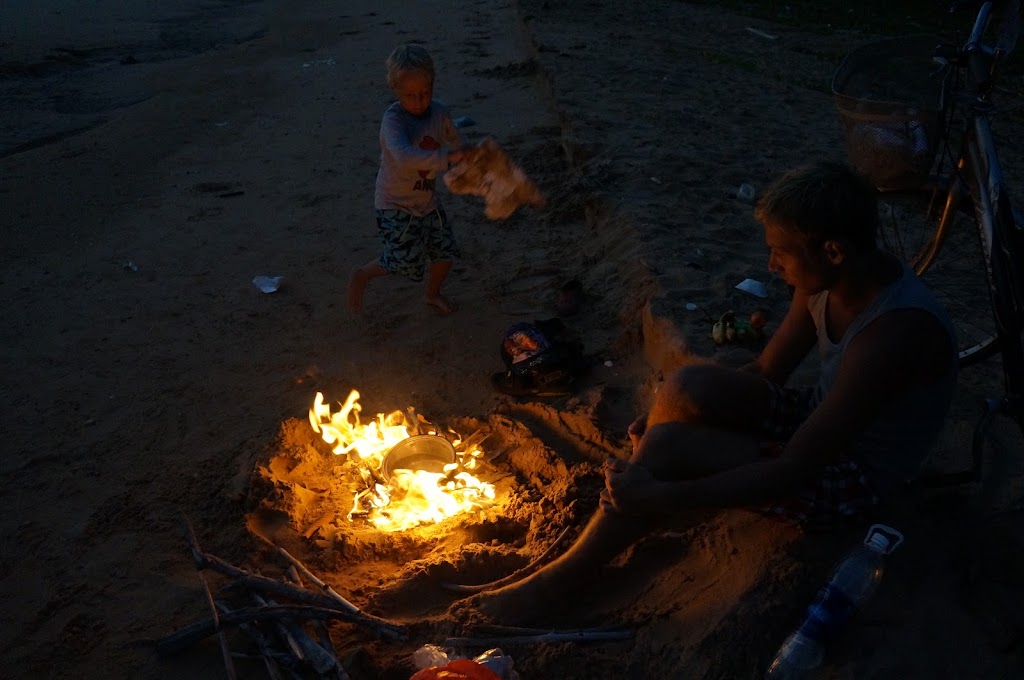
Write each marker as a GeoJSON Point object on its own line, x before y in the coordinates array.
{"type": "Point", "coordinates": [636, 431]}
{"type": "Point", "coordinates": [630, 488]}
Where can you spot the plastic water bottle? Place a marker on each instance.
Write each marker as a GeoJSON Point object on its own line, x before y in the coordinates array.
{"type": "Point", "coordinates": [852, 584]}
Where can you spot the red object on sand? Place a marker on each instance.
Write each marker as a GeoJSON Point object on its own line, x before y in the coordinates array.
{"type": "Point", "coordinates": [460, 669]}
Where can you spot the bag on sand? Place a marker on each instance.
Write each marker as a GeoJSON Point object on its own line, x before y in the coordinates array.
{"type": "Point", "coordinates": [460, 669]}
{"type": "Point", "coordinates": [493, 175]}
{"type": "Point", "coordinates": [542, 359]}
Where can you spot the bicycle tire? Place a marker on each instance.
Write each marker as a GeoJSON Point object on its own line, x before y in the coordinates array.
{"type": "Point", "coordinates": [951, 262]}
{"type": "Point", "coordinates": [997, 437]}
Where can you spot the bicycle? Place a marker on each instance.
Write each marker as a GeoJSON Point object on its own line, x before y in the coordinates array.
{"type": "Point", "coordinates": [905, 105]}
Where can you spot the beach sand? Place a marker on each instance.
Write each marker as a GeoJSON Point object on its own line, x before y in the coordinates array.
{"type": "Point", "coordinates": [156, 159]}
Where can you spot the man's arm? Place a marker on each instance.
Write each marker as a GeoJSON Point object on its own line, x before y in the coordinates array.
{"type": "Point", "coordinates": [899, 351]}
{"type": "Point", "coordinates": [789, 344]}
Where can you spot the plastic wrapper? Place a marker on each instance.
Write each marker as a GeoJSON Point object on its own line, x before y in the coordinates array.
{"type": "Point", "coordinates": [434, 663]}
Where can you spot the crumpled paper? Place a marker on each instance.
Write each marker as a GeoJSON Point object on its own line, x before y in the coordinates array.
{"type": "Point", "coordinates": [494, 176]}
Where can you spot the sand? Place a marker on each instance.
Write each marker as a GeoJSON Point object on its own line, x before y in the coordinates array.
{"type": "Point", "coordinates": [155, 159]}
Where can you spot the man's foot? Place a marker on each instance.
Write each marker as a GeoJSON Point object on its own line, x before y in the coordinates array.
{"type": "Point", "coordinates": [356, 286]}
{"type": "Point", "coordinates": [527, 602]}
{"type": "Point", "coordinates": [444, 305]}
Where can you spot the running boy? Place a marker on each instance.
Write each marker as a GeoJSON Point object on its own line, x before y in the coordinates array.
{"type": "Point", "coordinates": [418, 141]}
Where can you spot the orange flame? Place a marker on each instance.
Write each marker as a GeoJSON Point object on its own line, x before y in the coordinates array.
{"type": "Point", "coordinates": [411, 497]}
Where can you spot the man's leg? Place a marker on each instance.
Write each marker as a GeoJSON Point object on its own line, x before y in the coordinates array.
{"type": "Point", "coordinates": [715, 396]}
{"type": "Point", "coordinates": [674, 446]}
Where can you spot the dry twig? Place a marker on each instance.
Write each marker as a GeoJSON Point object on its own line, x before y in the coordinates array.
{"type": "Point", "coordinates": [192, 633]}
{"type": "Point", "coordinates": [270, 658]}
{"type": "Point", "coordinates": [330, 592]}
{"type": "Point", "coordinates": [322, 633]}
{"type": "Point", "coordinates": [314, 601]}
{"type": "Point", "coordinates": [304, 647]}
{"type": "Point", "coordinates": [553, 636]}
{"type": "Point", "coordinates": [225, 650]}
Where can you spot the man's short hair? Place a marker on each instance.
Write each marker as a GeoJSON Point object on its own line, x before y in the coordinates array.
{"type": "Point", "coordinates": [823, 200]}
{"type": "Point", "coordinates": [409, 58]}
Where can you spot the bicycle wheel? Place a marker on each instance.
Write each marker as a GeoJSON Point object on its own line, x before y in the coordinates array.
{"type": "Point", "coordinates": [957, 276]}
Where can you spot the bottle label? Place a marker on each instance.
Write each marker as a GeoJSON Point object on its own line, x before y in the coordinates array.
{"type": "Point", "coordinates": [829, 614]}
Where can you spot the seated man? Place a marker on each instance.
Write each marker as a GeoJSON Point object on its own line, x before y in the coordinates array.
{"type": "Point", "coordinates": [719, 437]}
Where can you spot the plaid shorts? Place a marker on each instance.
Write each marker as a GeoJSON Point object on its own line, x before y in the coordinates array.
{"type": "Point", "coordinates": [409, 242]}
{"type": "Point", "coordinates": [840, 495]}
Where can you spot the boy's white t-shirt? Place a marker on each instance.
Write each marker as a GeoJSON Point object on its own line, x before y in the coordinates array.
{"type": "Point", "coordinates": [413, 152]}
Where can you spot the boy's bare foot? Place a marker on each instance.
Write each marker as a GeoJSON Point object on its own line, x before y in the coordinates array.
{"type": "Point", "coordinates": [443, 304]}
{"type": "Point", "coordinates": [356, 286]}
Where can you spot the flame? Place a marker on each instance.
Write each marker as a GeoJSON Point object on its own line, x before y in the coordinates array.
{"type": "Point", "coordinates": [411, 497]}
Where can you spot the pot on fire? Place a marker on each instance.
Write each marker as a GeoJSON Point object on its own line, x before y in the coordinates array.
{"type": "Point", "coordinates": [427, 452]}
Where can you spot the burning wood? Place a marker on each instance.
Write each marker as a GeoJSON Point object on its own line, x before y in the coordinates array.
{"type": "Point", "coordinates": [408, 472]}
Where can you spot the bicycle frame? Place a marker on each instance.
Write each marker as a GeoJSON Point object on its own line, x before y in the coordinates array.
{"type": "Point", "coordinates": [998, 231]}
{"type": "Point", "coordinates": [979, 177]}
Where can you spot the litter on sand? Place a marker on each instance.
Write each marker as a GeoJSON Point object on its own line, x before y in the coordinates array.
{"type": "Point", "coordinates": [267, 284]}
{"type": "Point", "coordinates": [753, 287]}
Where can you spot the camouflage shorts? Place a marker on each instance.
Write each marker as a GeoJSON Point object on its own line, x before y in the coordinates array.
{"type": "Point", "coordinates": [409, 242]}
{"type": "Point", "coordinates": [842, 492]}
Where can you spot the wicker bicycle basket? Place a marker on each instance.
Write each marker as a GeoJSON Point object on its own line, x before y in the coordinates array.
{"type": "Point", "coordinates": [891, 97]}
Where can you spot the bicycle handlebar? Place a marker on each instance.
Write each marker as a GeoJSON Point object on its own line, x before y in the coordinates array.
{"type": "Point", "coordinates": [980, 22]}
{"type": "Point", "coordinates": [976, 52]}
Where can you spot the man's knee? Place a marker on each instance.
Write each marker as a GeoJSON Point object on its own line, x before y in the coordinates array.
{"type": "Point", "coordinates": [689, 391]}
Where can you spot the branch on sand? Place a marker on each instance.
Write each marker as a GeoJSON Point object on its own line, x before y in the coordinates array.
{"type": "Point", "coordinates": [308, 606]}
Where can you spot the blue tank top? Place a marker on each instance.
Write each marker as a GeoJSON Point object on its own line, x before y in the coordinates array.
{"type": "Point", "coordinates": [893, 447]}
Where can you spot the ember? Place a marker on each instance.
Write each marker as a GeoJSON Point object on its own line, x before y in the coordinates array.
{"type": "Point", "coordinates": [397, 498]}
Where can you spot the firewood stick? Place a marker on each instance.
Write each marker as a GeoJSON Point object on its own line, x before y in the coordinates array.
{"type": "Point", "coordinates": [325, 640]}
{"type": "Point", "coordinates": [556, 636]}
{"type": "Point", "coordinates": [266, 653]}
{"type": "Point", "coordinates": [514, 576]}
{"type": "Point", "coordinates": [330, 592]}
{"type": "Point", "coordinates": [322, 634]}
{"type": "Point", "coordinates": [497, 630]}
{"type": "Point", "coordinates": [301, 643]}
{"type": "Point", "coordinates": [242, 577]}
{"type": "Point", "coordinates": [289, 640]}
{"type": "Point", "coordinates": [199, 630]}
{"type": "Point", "coordinates": [306, 597]}
{"type": "Point", "coordinates": [225, 650]}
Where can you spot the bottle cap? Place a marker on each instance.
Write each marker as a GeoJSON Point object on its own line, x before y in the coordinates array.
{"type": "Point", "coordinates": [883, 539]}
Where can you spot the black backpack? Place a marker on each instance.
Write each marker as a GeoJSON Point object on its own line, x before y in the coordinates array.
{"type": "Point", "coordinates": [542, 358]}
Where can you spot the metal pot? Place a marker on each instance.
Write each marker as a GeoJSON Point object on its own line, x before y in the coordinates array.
{"type": "Point", "coordinates": [428, 452]}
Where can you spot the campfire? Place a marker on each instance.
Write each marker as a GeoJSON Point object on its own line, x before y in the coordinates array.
{"type": "Point", "coordinates": [407, 472]}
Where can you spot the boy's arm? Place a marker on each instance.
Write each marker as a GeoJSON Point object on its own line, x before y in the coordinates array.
{"type": "Point", "coordinates": [395, 138]}
{"type": "Point", "coordinates": [453, 137]}
{"type": "Point", "coordinates": [902, 350]}
{"type": "Point", "coordinates": [789, 344]}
